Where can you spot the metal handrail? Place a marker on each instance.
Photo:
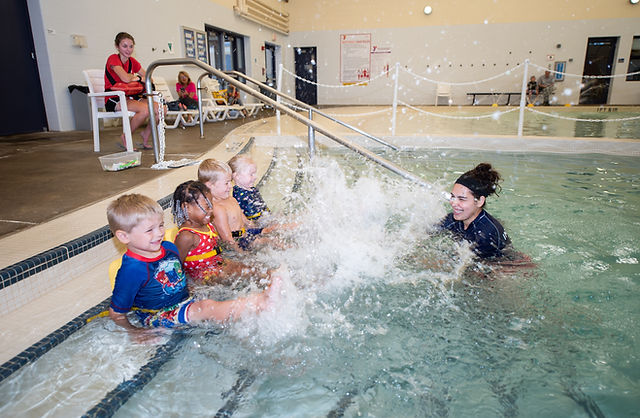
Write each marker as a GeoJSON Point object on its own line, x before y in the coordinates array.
{"type": "Point", "coordinates": [310, 123]}
{"type": "Point", "coordinates": [308, 107]}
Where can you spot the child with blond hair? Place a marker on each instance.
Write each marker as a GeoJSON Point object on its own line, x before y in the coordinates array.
{"type": "Point", "coordinates": [243, 173]}
{"type": "Point", "coordinates": [151, 281]}
{"type": "Point", "coordinates": [234, 228]}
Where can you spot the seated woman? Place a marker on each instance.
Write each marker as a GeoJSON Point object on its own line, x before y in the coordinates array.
{"type": "Point", "coordinates": [469, 220]}
{"type": "Point", "coordinates": [186, 90]}
{"type": "Point", "coordinates": [123, 68]}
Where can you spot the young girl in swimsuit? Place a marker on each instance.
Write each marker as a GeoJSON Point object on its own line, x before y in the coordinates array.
{"type": "Point", "coordinates": [123, 68]}
{"type": "Point", "coordinates": [197, 238]}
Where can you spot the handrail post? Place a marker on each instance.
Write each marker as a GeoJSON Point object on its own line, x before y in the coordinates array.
{"type": "Point", "coordinates": [523, 96]}
{"type": "Point", "coordinates": [395, 100]}
{"type": "Point", "coordinates": [200, 112]}
{"type": "Point", "coordinates": [152, 117]}
{"type": "Point", "coordinates": [312, 137]}
{"type": "Point", "coordinates": [278, 99]}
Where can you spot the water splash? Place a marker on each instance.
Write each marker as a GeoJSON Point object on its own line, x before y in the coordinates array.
{"type": "Point", "coordinates": [356, 230]}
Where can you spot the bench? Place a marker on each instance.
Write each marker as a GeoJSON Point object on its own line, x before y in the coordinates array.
{"type": "Point", "coordinates": [498, 94]}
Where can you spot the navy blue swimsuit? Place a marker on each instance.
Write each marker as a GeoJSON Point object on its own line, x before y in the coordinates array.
{"type": "Point", "coordinates": [250, 201]}
{"type": "Point", "coordinates": [485, 233]}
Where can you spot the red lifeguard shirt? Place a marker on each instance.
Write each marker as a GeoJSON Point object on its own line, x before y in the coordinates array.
{"type": "Point", "coordinates": [110, 77]}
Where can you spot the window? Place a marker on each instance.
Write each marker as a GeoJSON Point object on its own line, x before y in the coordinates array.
{"type": "Point", "coordinates": [634, 60]}
{"type": "Point", "coordinates": [226, 50]}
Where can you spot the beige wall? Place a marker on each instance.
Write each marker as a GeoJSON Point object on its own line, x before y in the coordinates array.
{"type": "Point", "coordinates": [463, 41]}
{"type": "Point", "coordinates": [454, 34]}
{"type": "Point", "coordinates": [355, 14]}
{"type": "Point", "coordinates": [153, 24]}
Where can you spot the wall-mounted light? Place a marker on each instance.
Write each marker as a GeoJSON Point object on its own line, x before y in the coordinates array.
{"type": "Point", "coordinates": [79, 41]}
{"type": "Point", "coordinates": [634, 1]}
{"type": "Point", "coordinates": [428, 9]}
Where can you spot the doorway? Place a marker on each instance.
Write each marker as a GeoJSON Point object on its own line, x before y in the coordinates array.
{"type": "Point", "coordinates": [598, 62]}
{"type": "Point", "coordinates": [270, 65]}
{"type": "Point", "coordinates": [306, 68]}
{"type": "Point", "coordinates": [26, 107]}
{"type": "Point", "coordinates": [226, 50]}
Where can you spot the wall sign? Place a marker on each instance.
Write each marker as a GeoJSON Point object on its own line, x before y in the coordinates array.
{"type": "Point", "coordinates": [355, 58]}
{"type": "Point", "coordinates": [380, 60]}
{"type": "Point", "coordinates": [559, 67]}
{"type": "Point", "coordinates": [195, 44]}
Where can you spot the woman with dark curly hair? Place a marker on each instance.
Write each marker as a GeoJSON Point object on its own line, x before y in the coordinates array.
{"type": "Point", "coordinates": [469, 220]}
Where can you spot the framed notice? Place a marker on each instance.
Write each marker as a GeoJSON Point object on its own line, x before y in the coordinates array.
{"type": "Point", "coordinates": [189, 38]}
{"type": "Point", "coordinates": [355, 58]}
{"type": "Point", "coordinates": [380, 60]}
{"type": "Point", "coordinates": [195, 44]}
{"type": "Point", "coordinates": [201, 47]}
{"type": "Point", "coordinates": [559, 67]}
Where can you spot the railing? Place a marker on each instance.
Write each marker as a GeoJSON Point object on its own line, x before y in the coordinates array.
{"type": "Point", "coordinates": [309, 108]}
{"type": "Point", "coordinates": [252, 92]}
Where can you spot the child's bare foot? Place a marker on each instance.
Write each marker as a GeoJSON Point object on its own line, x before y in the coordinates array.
{"type": "Point", "coordinates": [275, 289]}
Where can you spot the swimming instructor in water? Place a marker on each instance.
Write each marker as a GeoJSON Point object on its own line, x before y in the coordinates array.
{"type": "Point", "coordinates": [469, 220]}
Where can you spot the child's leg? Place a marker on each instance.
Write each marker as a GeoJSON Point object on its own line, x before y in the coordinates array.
{"type": "Point", "coordinates": [206, 310]}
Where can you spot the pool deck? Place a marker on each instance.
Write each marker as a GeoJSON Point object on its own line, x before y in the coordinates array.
{"type": "Point", "coordinates": [37, 180]}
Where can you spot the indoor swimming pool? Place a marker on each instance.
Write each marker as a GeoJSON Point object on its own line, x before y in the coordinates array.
{"type": "Point", "coordinates": [382, 315]}
{"type": "Point", "coordinates": [540, 121]}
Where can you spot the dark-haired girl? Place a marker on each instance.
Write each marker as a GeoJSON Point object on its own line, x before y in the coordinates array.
{"type": "Point", "coordinates": [469, 220]}
{"type": "Point", "coordinates": [197, 239]}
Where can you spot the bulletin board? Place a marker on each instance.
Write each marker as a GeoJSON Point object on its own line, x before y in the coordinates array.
{"type": "Point", "coordinates": [195, 44]}
{"type": "Point", "coordinates": [355, 58]}
{"type": "Point", "coordinates": [559, 68]}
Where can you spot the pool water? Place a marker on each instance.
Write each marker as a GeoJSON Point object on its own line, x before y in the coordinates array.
{"type": "Point", "coordinates": [380, 318]}
{"type": "Point", "coordinates": [554, 121]}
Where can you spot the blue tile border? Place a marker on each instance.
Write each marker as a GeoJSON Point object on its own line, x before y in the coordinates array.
{"type": "Point", "coordinates": [21, 270]}
{"type": "Point", "coordinates": [235, 394]}
{"type": "Point", "coordinates": [36, 350]}
{"type": "Point", "coordinates": [125, 390]}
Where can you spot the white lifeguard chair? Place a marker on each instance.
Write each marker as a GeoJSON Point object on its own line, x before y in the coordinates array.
{"type": "Point", "coordinates": [444, 90]}
{"type": "Point", "coordinates": [95, 82]}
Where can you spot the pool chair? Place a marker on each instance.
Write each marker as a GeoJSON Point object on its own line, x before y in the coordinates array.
{"type": "Point", "coordinates": [217, 98]}
{"type": "Point", "coordinates": [178, 116]}
{"type": "Point", "coordinates": [247, 109]}
{"type": "Point", "coordinates": [444, 90]}
{"type": "Point", "coordinates": [95, 82]}
{"type": "Point", "coordinates": [211, 110]}
{"type": "Point", "coordinates": [169, 235]}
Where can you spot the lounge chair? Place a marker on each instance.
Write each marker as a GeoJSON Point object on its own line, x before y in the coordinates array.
{"type": "Point", "coordinates": [178, 116]}
{"type": "Point", "coordinates": [218, 98]}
